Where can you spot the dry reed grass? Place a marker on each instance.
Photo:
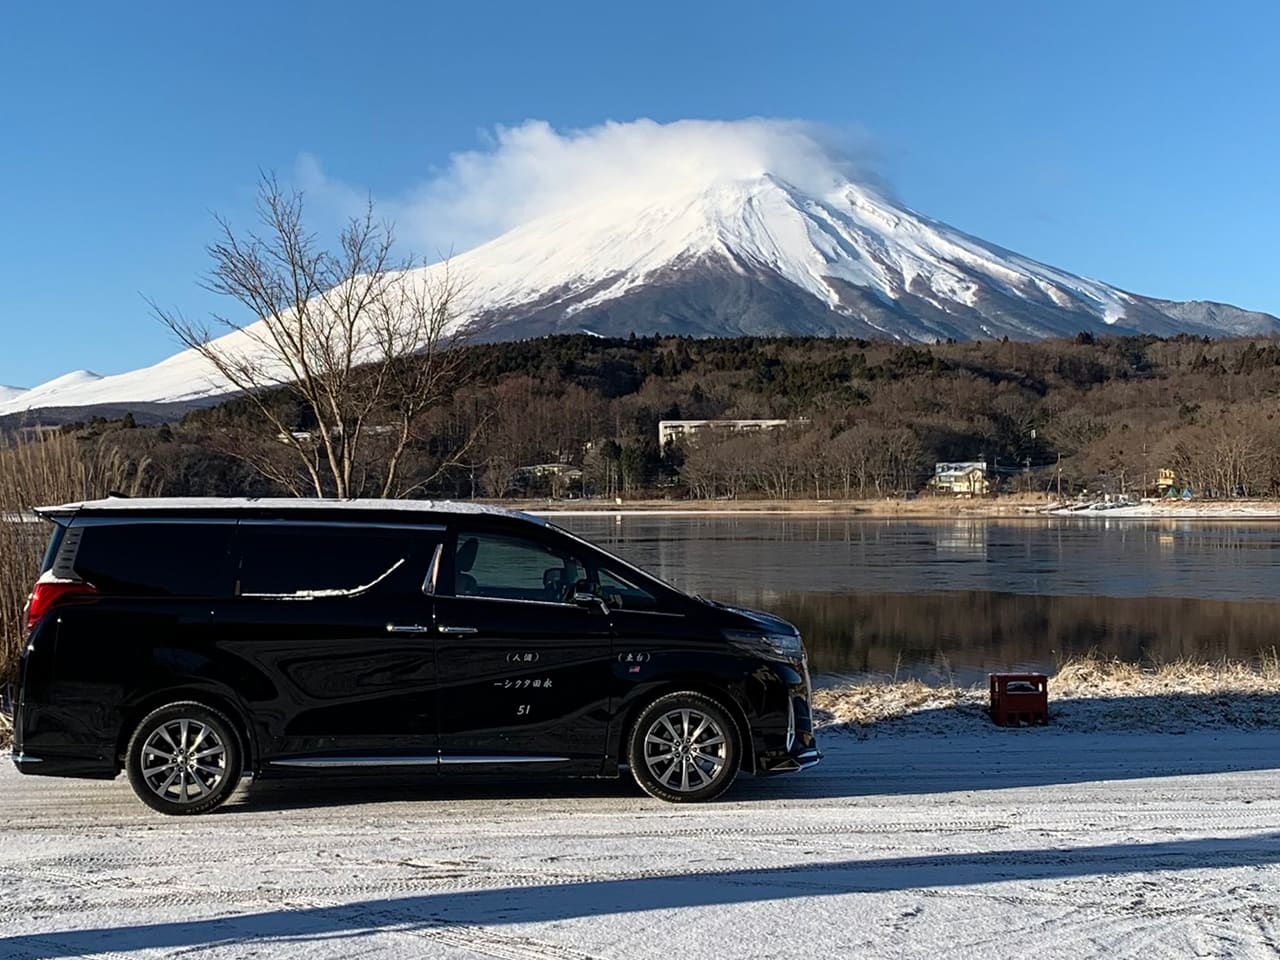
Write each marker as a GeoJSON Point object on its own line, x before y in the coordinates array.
{"type": "Point", "coordinates": [35, 471]}
{"type": "Point", "coordinates": [864, 704]}
{"type": "Point", "coordinates": [1085, 692]}
{"type": "Point", "coordinates": [1093, 677]}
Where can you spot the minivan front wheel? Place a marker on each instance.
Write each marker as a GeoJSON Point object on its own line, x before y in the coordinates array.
{"type": "Point", "coordinates": [184, 758]}
{"type": "Point", "coordinates": [684, 748]}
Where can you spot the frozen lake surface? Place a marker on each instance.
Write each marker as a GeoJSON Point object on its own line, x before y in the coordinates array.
{"type": "Point", "coordinates": [952, 599]}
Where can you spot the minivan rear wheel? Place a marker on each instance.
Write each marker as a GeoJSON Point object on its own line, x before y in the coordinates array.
{"type": "Point", "coordinates": [184, 758]}
{"type": "Point", "coordinates": [684, 748]}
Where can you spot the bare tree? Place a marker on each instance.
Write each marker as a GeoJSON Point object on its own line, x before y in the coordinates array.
{"type": "Point", "coordinates": [363, 343]}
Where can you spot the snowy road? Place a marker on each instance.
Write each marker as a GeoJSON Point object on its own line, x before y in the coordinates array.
{"type": "Point", "coordinates": [995, 843]}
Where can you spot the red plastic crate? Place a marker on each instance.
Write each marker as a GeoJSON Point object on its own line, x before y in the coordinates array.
{"type": "Point", "coordinates": [1019, 699]}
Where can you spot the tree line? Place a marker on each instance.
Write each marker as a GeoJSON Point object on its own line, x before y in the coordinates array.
{"type": "Point", "coordinates": [356, 377]}
{"type": "Point", "coordinates": [870, 419]}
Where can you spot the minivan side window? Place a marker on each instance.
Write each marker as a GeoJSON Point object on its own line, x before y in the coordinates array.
{"type": "Point", "coordinates": [513, 568]}
{"type": "Point", "coordinates": [278, 560]}
{"type": "Point", "coordinates": [157, 559]}
{"type": "Point", "coordinates": [624, 595]}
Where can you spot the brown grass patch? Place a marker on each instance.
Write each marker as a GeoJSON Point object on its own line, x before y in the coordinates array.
{"type": "Point", "coordinates": [861, 705]}
{"type": "Point", "coordinates": [1085, 693]}
{"type": "Point", "coordinates": [1092, 677]}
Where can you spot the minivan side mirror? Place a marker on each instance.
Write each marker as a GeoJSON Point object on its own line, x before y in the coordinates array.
{"type": "Point", "coordinates": [584, 597]}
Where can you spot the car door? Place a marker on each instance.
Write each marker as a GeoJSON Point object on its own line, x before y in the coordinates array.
{"type": "Point", "coordinates": [523, 670]}
{"type": "Point", "coordinates": [655, 637]}
{"type": "Point", "coordinates": [335, 620]}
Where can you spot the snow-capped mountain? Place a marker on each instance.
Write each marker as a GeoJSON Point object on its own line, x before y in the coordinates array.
{"type": "Point", "coordinates": [720, 255]}
{"type": "Point", "coordinates": [10, 393]}
{"type": "Point", "coordinates": [760, 256]}
{"type": "Point", "coordinates": [50, 394]}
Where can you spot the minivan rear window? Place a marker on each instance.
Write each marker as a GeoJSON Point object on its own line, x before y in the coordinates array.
{"type": "Point", "coordinates": [157, 559]}
{"type": "Point", "coordinates": [279, 560]}
{"type": "Point", "coordinates": [51, 551]}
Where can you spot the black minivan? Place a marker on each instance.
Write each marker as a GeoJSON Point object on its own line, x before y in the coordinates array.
{"type": "Point", "coordinates": [188, 641]}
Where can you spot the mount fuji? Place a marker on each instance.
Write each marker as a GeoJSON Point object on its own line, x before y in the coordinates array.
{"type": "Point", "coordinates": [760, 256]}
{"type": "Point", "coordinates": [728, 249]}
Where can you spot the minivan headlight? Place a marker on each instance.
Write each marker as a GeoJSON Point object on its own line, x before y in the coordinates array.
{"type": "Point", "coordinates": [775, 646]}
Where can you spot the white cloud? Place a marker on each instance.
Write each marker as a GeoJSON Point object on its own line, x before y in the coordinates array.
{"type": "Point", "coordinates": [531, 170]}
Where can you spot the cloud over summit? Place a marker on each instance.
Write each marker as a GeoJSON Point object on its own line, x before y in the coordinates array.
{"type": "Point", "coordinates": [531, 170]}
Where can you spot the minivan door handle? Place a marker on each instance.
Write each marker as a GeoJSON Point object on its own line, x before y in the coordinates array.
{"type": "Point", "coordinates": [407, 628]}
{"type": "Point", "coordinates": [457, 631]}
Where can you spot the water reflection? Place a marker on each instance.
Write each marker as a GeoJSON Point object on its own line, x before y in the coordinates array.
{"type": "Point", "coordinates": [958, 598]}
{"type": "Point", "coordinates": [965, 634]}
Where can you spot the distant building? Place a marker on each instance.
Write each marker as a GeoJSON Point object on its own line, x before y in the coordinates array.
{"type": "Point", "coordinates": [674, 431]}
{"type": "Point", "coordinates": [968, 477]}
{"type": "Point", "coordinates": [314, 436]}
{"type": "Point", "coordinates": [558, 479]}
{"type": "Point", "coordinates": [566, 471]}
{"type": "Point", "coordinates": [1166, 480]}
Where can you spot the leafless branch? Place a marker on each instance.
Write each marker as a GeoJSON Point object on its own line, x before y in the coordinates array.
{"type": "Point", "coordinates": [365, 343]}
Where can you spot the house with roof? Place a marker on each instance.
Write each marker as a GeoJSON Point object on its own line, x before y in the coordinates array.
{"type": "Point", "coordinates": [965, 478]}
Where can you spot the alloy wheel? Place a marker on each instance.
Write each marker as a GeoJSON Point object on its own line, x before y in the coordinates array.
{"type": "Point", "coordinates": [685, 750]}
{"type": "Point", "coordinates": [184, 761]}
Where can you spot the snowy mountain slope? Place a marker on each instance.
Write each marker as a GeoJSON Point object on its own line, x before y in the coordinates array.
{"type": "Point", "coordinates": [760, 256]}
{"type": "Point", "coordinates": [50, 394]}
{"type": "Point", "coordinates": [1220, 317]}
{"type": "Point", "coordinates": [10, 393]}
{"type": "Point", "coordinates": [710, 254]}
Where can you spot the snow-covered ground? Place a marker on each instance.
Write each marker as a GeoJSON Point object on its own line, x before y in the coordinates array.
{"type": "Point", "coordinates": [972, 841]}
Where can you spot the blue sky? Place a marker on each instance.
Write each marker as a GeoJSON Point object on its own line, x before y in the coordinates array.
{"type": "Point", "coordinates": [1135, 142]}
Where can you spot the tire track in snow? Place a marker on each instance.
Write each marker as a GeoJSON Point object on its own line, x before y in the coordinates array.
{"type": "Point", "coordinates": [1077, 881]}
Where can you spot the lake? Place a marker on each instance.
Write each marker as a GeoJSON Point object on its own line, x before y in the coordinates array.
{"type": "Point", "coordinates": [955, 599]}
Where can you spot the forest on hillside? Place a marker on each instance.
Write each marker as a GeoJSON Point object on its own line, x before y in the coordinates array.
{"type": "Point", "coordinates": [872, 419]}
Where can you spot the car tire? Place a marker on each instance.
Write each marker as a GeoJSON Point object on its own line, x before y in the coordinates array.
{"type": "Point", "coordinates": [184, 758]}
{"type": "Point", "coordinates": [684, 748]}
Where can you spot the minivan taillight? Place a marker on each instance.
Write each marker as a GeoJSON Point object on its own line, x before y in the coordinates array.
{"type": "Point", "coordinates": [48, 592]}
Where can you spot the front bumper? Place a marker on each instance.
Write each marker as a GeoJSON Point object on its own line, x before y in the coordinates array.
{"type": "Point", "coordinates": [791, 763]}
{"type": "Point", "coordinates": [782, 731]}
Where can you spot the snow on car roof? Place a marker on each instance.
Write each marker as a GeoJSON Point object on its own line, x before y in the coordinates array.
{"type": "Point", "coordinates": [118, 504]}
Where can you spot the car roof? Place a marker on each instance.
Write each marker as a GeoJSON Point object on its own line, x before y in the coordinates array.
{"type": "Point", "coordinates": [406, 510]}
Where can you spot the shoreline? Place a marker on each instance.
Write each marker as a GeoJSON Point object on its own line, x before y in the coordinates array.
{"type": "Point", "coordinates": [924, 508]}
